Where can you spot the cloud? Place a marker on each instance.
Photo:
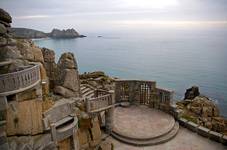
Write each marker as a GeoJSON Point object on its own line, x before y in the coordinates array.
{"type": "Point", "coordinates": [32, 17]}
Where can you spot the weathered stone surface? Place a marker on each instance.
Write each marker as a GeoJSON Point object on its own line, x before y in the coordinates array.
{"type": "Point", "coordinates": [204, 111]}
{"type": "Point", "coordinates": [37, 142]}
{"type": "Point", "coordinates": [7, 25]}
{"type": "Point", "coordinates": [67, 61]}
{"type": "Point", "coordinates": [192, 92]}
{"type": "Point", "coordinates": [2, 29]}
{"type": "Point", "coordinates": [48, 55]}
{"type": "Point", "coordinates": [106, 146]}
{"type": "Point", "coordinates": [96, 133]}
{"type": "Point", "coordinates": [3, 41]}
{"type": "Point", "coordinates": [24, 118]}
{"type": "Point", "coordinates": [50, 66]}
{"type": "Point", "coordinates": [4, 16]}
{"type": "Point", "coordinates": [84, 138]}
{"type": "Point", "coordinates": [29, 51]}
{"type": "Point", "coordinates": [65, 144]}
{"type": "Point", "coordinates": [71, 80]}
{"type": "Point", "coordinates": [68, 78]}
{"type": "Point", "coordinates": [64, 92]}
{"type": "Point", "coordinates": [9, 52]}
{"type": "Point", "coordinates": [27, 95]}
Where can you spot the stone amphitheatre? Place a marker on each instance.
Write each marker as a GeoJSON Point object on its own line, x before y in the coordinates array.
{"type": "Point", "coordinates": [46, 105]}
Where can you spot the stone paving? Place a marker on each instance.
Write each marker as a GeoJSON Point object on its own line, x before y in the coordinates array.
{"type": "Point", "coordinates": [184, 140]}
{"type": "Point", "coordinates": [141, 122]}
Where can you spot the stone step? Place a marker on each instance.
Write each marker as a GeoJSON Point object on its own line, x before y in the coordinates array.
{"type": "Point", "coordinates": [88, 93]}
{"type": "Point", "coordinates": [82, 87]}
{"type": "Point", "coordinates": [148, 142]}
{"type": "Point", "coordinates": [85, 90]}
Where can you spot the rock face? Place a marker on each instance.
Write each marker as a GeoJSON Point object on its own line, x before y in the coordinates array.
{"type": "Point", "coordinates": [4, 16]}
{"type": "Point", "coordinates": [50, 65]}
{"type": "Point", "coordinates": [97, 79]}
{"type": "Point", "coordinates": [192, 92]}
{"type": "Point", "coordinates": [32, 34]}
{"type": "Point", "coordinates": [69, 33]}
{"type": "Point", "coordinates": [68, 77]}
{"type": "Point", "coordinates": [27, 33]}
{"type": "Point", "coordinates": [202, 111]}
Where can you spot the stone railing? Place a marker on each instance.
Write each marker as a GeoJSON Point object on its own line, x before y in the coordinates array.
{"type": "Point", "coordinates": [100, 103]}
{"type": "Point", "coordinates": [61, 120]}
{"type": "Point", "coordinates": [136, 91]}
{"type": "Point", "coordinates": [143, 92]}
{"type": "Point", "coordinates": [15, 82]}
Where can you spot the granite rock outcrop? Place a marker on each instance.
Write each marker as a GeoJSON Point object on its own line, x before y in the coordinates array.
{"type": "Point", "coordinates": [202, 110]}
{"type": "Point", "coordinates": [67, 83]}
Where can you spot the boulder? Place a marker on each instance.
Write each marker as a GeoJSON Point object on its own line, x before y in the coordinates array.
{"type": "Point", "coordinates": [4, 16]}
{"type": "Point", "coordinates": [68, 77]}
{"type": "Point", "coordinates": [7, 25]}
{"type": "Point", "coordinates": [9, 52]}
{"type": "Point", "coordinates": [3, 29]}
{"type": "Point", "coordinates": [29, 51]}
{"type": "Point", "coordinates": [3, 41]}
{"type": "Point", "coordinates": [64, 92]}
{"type": "Point", "coordinates": [67, 61]}
{"type": "Point", "coordinates": [192, 92]}
{"type": "Point", "coordinates": [50, 66]}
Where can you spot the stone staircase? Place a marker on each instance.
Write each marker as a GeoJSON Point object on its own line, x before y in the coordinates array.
{"type": "Point", "coordinates": [148, 142]}
{"type": "Point", "coordinates": [87, 91]}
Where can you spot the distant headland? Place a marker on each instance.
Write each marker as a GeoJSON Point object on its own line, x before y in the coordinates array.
{"type": "Point", "coordinates": [55, 33]}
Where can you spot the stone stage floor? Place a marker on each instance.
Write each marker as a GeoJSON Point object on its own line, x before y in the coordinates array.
{"type": "Point", "coordinates": [184, 140]}
{"type": "Point", "coordinates": [141, 122]}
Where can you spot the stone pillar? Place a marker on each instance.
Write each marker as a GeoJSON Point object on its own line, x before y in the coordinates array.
{"type": "Point", "coordinates": [87, 105]}
{"type": "Point", "coordinates": [109, 120]}
{"type": "Point", "coordinates": [53, 133]}
{"type": "Point", "coordinates": [109, 115]}
{"type": "Point", "coordinates": [75, 140]}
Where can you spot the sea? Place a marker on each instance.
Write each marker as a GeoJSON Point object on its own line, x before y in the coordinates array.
{"type": "Point", "coordinates": [175, 58]}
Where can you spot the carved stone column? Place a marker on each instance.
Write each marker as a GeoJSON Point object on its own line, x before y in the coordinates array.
{"type": "Point", "coordinates": [109, 115]}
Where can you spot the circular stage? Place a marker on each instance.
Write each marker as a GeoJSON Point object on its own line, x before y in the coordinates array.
{"type": "Point", "coordinates": [143, 123]}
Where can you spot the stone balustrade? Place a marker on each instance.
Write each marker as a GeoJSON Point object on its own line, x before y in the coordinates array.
{"type": "Point", "coordinates": [100, 103]}
{"type": "Point", "coordinates": [18, 81]}
{"type": "Point", "coordinates": [143, 92]}
{"type": "Point", "coordinates": [61, 120]}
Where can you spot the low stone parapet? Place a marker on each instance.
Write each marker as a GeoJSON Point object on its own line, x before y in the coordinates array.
{"type": "Point", "coordinates": [224, 139]}
{"type": "Point", "coordinates": [215, 136]}
{"type": "Point", "coordinates": [205, 132]}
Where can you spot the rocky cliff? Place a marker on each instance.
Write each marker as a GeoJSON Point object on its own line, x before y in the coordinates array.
{"type": "Point", "coordinates": [55, 33]}
{"type": "Point", "coordinates": [69, 33]}
{"type": "Point", "coordinates": [202, 111]}
{"type": "Point", "coordinates": [27, 33]}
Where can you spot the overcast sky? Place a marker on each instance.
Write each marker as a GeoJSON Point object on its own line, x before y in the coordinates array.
{"type": "Point", "coordinates": [89, 15]}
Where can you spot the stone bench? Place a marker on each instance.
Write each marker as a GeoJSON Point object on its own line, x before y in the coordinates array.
{"type": "Point", "coordinates": [60, 120]}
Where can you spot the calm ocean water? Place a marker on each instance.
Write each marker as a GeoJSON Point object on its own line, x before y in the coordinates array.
{"type": "Point", "coordinates": [176, 59]}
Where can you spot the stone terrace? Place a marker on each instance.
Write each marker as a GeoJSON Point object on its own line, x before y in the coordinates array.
{"type": "Point", "coordinates": [184, 140]}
